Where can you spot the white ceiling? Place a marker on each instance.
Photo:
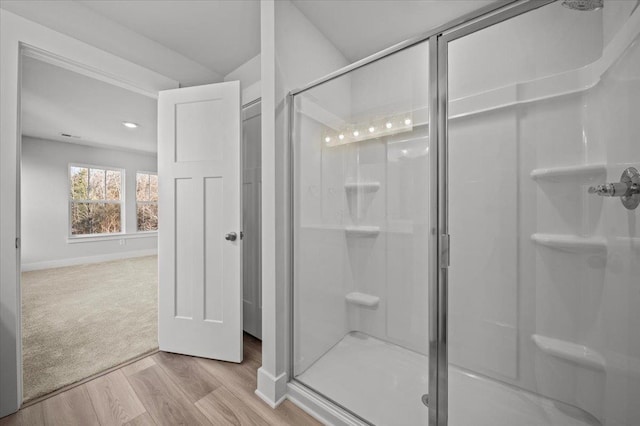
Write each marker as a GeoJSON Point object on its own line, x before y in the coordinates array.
{"type": "Point", "coordinates": [363, 27]}
{"type": "Point", "coordinates": [200, 41]}
{"type": "Point", "coordinates": [56, 100]}
{"type": "Point", "coordinates": [191, 41]}
{"type": "Point", "coordinates": [221, 35]}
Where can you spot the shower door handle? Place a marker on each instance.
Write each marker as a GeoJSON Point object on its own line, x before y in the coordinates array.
{"type": "Point", "coordinates": [628, 189]}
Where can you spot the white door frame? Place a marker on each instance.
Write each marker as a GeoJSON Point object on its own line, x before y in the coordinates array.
{"type": "Point", "coordinates": [20, 36]}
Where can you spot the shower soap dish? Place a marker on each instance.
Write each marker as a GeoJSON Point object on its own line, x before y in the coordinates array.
{"type": "Point", "coordinates": [362, 299]}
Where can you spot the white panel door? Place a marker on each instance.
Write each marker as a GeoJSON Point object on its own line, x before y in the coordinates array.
{"type": "Point", "coordinates": [200, 205]}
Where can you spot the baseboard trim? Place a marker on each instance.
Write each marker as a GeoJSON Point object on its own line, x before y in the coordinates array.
{"type": "Point", "coordinates": [267, 401]}
{"type": "Point", "coordinates": [320, 409]}
{"type": "Point", "coordinates": [59, 263]}
{"type": "Point", "coordinates": [271, 389]}
{"type": "Point", "coordinates": [88, 379]}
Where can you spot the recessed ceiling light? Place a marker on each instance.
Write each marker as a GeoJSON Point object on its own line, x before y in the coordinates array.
{"type": "Point", "coordinates": [130, 125]}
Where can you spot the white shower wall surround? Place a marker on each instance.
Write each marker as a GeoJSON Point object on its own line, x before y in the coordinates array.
{"type": "Point", "coordinates": [363, 212]}
{"type": "Point", "coordinates": [544, 294]}
{"type": "Point", "coordinates": [534, 158]}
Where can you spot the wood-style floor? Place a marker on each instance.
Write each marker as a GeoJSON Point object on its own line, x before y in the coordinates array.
{"type": "Point", "coordinates": [167, 389]}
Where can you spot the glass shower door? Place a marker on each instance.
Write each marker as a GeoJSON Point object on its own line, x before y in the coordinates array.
{"type": "Point", "coordinates": [360, 146]}
{"type": "Point", "coordinates": [544, 281]}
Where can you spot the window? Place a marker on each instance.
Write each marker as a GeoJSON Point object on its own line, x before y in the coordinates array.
{"type": "Point", "coordinates": [147, 201]}
{"type": "Point", "coordinates": [95, 202]}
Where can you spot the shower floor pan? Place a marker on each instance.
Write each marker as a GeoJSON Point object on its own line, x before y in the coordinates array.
{"type": "Point", "coordinates": [383, 383]}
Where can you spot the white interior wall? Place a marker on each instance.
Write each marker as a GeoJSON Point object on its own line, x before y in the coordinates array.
{"type": "Point", "coordinates": [45, 204]}
{"type": "Point", "coordinates": [249, 76]}
{"type": "Point", "coordinates": [321, 314]}
{"type": "Point", "coordinates": [248, 73]}
{"type": "Point", "coordinates": [293, 53]}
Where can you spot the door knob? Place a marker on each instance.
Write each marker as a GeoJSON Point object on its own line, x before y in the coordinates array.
{"type": "Point", "coordinates": [231, 236]}
{"type": "Point", "coordinates": [628, 189]}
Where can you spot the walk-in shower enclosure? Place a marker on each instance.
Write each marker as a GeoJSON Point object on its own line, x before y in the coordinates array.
{"type": "Point", "coordinates": [454, 259]}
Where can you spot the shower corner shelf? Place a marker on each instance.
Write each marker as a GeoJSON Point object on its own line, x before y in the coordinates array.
{"type": "Point", "coordinates": [362, 186]}
{"type": "Point", "coordinates": [362, 231]}
{"type": "Point", "coordinates": [362, 299]}
{"type": "Point", "coordinates": [570, 242]}
{"type": "Point", "coordinates": [554, 173]}
{"type": "Point", "coordinates": [569, 351]}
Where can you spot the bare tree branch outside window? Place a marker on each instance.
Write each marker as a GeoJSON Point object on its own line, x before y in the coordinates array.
{"type": "Point", "coordinates": [95, 200]}
{"type": "Point", "coordinates": [147, 201]}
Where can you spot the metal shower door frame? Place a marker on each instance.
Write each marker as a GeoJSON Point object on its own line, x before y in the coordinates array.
{"type": "Point", "coordinates": [438, 40]}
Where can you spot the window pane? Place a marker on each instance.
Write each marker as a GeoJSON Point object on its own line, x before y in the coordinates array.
{"type": "Point", "coordinates": [96, 184]}
{"type": "Point", "coordinates": [142, 187]}
{"type": "Point", "coordinates": [95, 218]}
{"type": "Point", "coordinates": [114, 182]}
{"type": "Point", "coordinates": [153, 187]}
{"type": "Point", "coordinates": [147, 217]}
{"type": "Point", "coordinates": [78, 182]}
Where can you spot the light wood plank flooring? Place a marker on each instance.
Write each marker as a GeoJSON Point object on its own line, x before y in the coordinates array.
{"type": "Point", "coordinates": [167, 389]}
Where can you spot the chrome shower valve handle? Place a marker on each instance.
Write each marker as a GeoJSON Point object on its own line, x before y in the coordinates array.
{"type": "Point", "coordinates": [609, 189]}
{"type": "Point", "coordinates": [628, 189]}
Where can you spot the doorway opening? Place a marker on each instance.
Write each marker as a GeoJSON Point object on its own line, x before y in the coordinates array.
{"type": "Point", "coordinates": [89, 224]}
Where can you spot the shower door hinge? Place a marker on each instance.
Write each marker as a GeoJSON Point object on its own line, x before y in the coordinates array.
{"type": "Point", "coordinates": [444, 250]}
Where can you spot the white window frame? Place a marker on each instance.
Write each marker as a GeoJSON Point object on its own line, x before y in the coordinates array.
{"type": "Point", "coordinates": [121, 202]}
{"type": "Point", "coordinates": [143, 172]}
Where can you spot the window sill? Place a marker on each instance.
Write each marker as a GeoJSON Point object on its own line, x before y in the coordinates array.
{"type": "Point", "coordinates": [110, 237]}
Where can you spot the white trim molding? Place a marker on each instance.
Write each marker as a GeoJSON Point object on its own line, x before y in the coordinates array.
{"type": "Point", "coordinates": [272, 390]}
{"type": "Point", "coordinates": [110, 237]}
{"type": "Point", "coordinates": [59, 263]}
{"type": "Point", "coordinates": [320, 409]}
{"type": "Point", "coordinates": [95, 73]}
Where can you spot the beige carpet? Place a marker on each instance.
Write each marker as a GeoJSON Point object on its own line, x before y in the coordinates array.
{"type": "Point", "coordinates": [80, 320]}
